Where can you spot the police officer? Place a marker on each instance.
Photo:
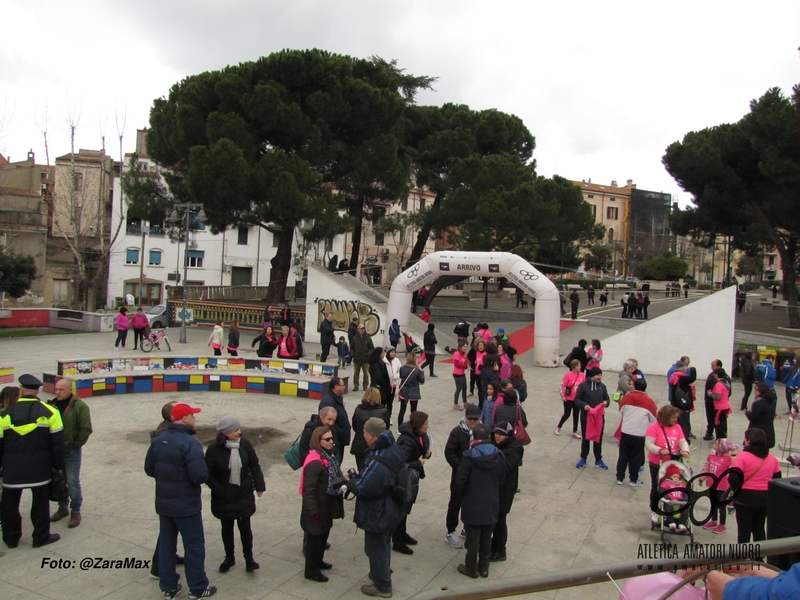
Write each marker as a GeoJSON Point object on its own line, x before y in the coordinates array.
{"type": "Point", "coordinates": [31, 448]}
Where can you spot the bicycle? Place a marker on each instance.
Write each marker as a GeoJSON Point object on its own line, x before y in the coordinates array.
{"type": "Point", "coordinates": [154, 340]}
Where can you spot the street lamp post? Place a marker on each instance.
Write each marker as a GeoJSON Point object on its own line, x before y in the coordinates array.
{"type": "Point", "coordinates": [189, 209]}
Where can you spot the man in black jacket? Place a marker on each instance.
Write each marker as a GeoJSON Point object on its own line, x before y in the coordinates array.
{"type": "Point", "coordinates": [31, 448]}
{"type": "Point", "coordinates": [342, 428]}
{"type": "Point", "coordinates": [512, 449]}
{"type": "Point", "coordinates": [325, 418]}
{"type": "Point", "coordinates": [480, 473]}
{"type": "Point", "coordinates": [326, 337]}
{"type": "Point", "coordinates": [457, 443]}
{"type": "Point", "coordinates": [591, 393]}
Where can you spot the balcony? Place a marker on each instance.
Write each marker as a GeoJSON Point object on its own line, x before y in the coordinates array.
{"type": "Point", "coordinates": [153, 230]}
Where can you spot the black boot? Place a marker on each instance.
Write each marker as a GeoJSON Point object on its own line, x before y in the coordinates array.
{"type": "Point", "coordinates": [227, 564]}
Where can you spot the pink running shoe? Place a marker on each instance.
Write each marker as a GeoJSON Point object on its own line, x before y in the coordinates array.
{"type": "Point", "coordinates": [710, 525]}
{"type": "Point", "coordinates": [720, 529]}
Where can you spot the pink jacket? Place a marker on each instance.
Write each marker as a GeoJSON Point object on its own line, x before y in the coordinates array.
{"type": "Point", "coordinates": [123, 322]}
{"type": "Point", "coordinates": [594, 423]}
{"type": "Point", "coordinates": [460, 363]}
{"type": "Point", "coordinates": [140, 320]}
{"type": "Point", "coordinates": [571, 378]}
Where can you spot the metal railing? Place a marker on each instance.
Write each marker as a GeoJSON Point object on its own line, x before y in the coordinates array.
{"type": "Point", "coordinates": [555, 580]}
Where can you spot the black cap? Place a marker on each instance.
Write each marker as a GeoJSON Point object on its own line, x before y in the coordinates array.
{"type": "Point", "coordinates": [473, 411]}
{"type": "Point", "coordinates": [29, 382]}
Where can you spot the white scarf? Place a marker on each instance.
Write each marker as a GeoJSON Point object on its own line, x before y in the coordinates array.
{"type": "Point", "coordinates": [235, 462]}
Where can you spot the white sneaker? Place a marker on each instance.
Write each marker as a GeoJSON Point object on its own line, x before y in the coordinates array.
{"type": "Point", "coordinates": [558, 431]}
{"type": "Point", "coordinates": [453, 540]}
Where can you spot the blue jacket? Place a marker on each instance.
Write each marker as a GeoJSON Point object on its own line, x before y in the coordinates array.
{"type": "Point", "coordinates": [792, 380]}
{"type": "Point", "coordinates": [376, 510]}
{"type": "Point", "coordinates": [783, 587]}
{"type": "Point", "coordinates": [480, 473]}
{"type": "Point", "coordinates": [175, 459]}
{"type": "Point", "coordinates": [767, 372]}
{"type": "Point", "coordinates": [394, 333]}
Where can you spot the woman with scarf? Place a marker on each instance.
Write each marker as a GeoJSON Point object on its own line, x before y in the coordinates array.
{"type": "Point", "coordinates": [321, 483]}
{"type": "Point", "coordinates": [233, 474]}
{"type": "Point", "coordinates": [758, 467]}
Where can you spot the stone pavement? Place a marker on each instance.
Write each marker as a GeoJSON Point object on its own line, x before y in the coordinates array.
{"type": "Point", "coordinates": [563, 517]}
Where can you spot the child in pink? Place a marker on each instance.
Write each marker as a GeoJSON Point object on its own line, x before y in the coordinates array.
{"type": "Point", "coordinates": [722, 407]}
{"type": "Point", "coordinates": [673, 480]}
{"type": "Point", "coordinates": [719, 460]}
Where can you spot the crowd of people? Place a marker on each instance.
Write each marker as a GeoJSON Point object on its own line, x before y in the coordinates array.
{"type": "Point", "coordinates": [484, 451]}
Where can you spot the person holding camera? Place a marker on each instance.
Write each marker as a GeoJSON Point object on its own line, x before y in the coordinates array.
{"type": "Point", "coordinates": [377, 512]}
{"type": "Point", "coordinates": [321, 482]}
{"type": "Point", "coordinates": [416, 445]}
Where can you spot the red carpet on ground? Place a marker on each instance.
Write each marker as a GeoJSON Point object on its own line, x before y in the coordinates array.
{"type": "Point", "coordinates": [522, 340]}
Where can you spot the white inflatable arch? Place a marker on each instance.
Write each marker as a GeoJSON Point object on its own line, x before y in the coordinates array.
{"type": "Point", "coordinates": [518, 271]}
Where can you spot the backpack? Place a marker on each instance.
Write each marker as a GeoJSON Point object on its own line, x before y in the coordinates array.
{"type": "Point", "coordinates": [567, 360]}
{"type": "Point", "coordinates": [760, 371]}
{"type": "Point", "coordinates": [405, 491]}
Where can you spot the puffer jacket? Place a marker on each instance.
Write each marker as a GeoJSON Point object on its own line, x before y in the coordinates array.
{"type": "Point", "coordinates": [508, 413]}
{"type": "Point", "coordinates": [376, 510]}
{"type": "Point", "coordinates": [410, 380]}
{"type": "Point", "coordinates": [230, 501]}
{"type": "Point", "coordinates": [361, 415]}
{"type": "Point", "coordinates": [414, 447]}
{"type": "Point", "coordinates": [512, 450]}
{"type": "Point", "coordinates": [175, 459]}
{"type": "Point", "coordinates": [458, 441]}
{"type": "Point", "coordinates": [481, 472]}
{"type": "Point", "coordinates": [379, 378]}
{"type": "Point", "coordinates": [317, 501]}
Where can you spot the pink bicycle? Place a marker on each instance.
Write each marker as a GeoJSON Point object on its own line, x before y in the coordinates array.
{"type": "Point", "coordinates": [154, 340]}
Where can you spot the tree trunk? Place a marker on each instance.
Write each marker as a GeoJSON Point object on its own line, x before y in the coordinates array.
{"type": "Point", "coordinates": [357, 212]}
{"type": "Point", "coordinates": [438, 285]}
{"type": "Point", "coordinates": [424, 232]}
{"type": "Point", "coordinates": [788, 263]}
{"type": "Point", "coordinates": [281, 263]}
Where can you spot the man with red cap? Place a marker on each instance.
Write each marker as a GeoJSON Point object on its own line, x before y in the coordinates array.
{"type": "Point", "coordinates": [176, 461]}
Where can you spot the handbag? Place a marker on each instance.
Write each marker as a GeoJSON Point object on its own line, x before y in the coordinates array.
{"type": "Point", "coordinates": [292, 455]}
{"type": "Point", "coordinates": [58, 487]}
{"type": "Point", "coordinates": [519, 428]}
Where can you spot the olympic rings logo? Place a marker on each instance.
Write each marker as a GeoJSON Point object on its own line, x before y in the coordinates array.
{"type": "Point", "coordinates": [693, 496]}
{"type": "Point", "coordinates": [413, 272]}
{"type": "Point", "coordinates": [528, 276]}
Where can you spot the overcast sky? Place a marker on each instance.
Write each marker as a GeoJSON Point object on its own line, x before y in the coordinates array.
{"type": "Point", "coordinates": [604, 86]}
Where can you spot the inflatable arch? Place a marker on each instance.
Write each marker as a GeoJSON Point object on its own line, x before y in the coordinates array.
{"type": "Point", "coordinates": [518, 271]}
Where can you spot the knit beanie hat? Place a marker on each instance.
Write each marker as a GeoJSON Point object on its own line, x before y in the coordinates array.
{"type": "Point", "coordinates": [228, 425]}
{"type": "Point", "coordinates": [593, 371]}
{"type": "Point", "coordinates": [374, 426]}
{"type": "Point", "coordinates": [673, 470]}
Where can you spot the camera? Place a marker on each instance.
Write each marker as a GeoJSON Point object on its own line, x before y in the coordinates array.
{"type": "Point", "coordinates": [352, 473]}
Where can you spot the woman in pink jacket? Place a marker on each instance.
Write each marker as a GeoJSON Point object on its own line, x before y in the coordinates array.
{"type": "Point", "coordinates": [569, 387]}
{"type": "Point", "coordinates": [123, 324]}
{"type": "Point", "coordinates": [140, 324]}
{"type": "Point", "coordinates": [460, 365]}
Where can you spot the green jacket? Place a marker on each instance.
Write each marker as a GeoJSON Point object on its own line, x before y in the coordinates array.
{"type": "Point", "coordinates": [77, 423]}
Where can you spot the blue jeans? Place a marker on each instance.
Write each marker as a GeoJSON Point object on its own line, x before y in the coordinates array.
{"type": "Point", "coordinates": [378, 548]}
{"type": "Point", "coordinates": [194, 545]}
{"type": "Point", "coordinates": [122, 335]}
{"type": "Point", "coordinates": [72, 473]}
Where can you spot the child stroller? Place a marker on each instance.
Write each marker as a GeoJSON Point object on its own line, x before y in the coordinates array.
{"type": "Point", "coordinates": [411, 345]}
{"type": "Point", "coordinates": [675, 520]}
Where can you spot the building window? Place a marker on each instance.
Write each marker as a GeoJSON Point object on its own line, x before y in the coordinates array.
{"type": "Point", "coordinates": [594, 211]}
{"type": "Point", "coordinates": [613, 199]}
{"type": "Point", "coordinates": [377, 218]}
{"type": "Point", "coordinates": [194, 258]}
{"type": "Point", "coordinates": [329, 244]}
{"type": "Point", "coordinates": [276, 239]}
{"type": "Point", "coordinates": [422, 203]}
{"type": "Point", "coordinates": [611, 236]}
{"type": "Point", "coordinates": [78, 182]}
{"type": "Point", "coordinates": [612, 213]}
{"type": "Point", "coordinates": [132, 256]}
{"type": "Point", "coordinates": [243, 232]}
{"type": "Point", "coordinates": [404, 204]}
{"type": "Point", "coordinates": [155, 258]}
{"type": "Point", "coordinates": [591, 195]}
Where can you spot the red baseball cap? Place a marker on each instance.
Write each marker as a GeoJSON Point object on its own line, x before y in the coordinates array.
{"type": "Point", "coordinates": [181, 410]}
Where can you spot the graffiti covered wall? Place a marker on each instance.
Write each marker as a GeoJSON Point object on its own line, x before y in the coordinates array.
{"type": "Point", "coordinates": [344, 311]}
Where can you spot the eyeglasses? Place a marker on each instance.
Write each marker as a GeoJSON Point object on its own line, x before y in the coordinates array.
{"type": "Point", "coordinates": [473, 418]}
{"type": "Point", "coordinates": [327, 439]}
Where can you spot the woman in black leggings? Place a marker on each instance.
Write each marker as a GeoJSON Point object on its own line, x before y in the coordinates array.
{"type": "Point", "coordinates": [569, 387]}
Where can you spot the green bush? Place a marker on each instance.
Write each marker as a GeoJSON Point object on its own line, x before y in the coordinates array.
{"type": "Point", "coordinates": [704, 286]}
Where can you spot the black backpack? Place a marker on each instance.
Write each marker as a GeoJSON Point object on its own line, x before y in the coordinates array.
{"type": "Point", "coordinates": [405, 491]}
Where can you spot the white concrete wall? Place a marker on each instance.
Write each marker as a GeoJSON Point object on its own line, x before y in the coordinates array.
{"type": "Point", "coordinates": [702, 330]}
